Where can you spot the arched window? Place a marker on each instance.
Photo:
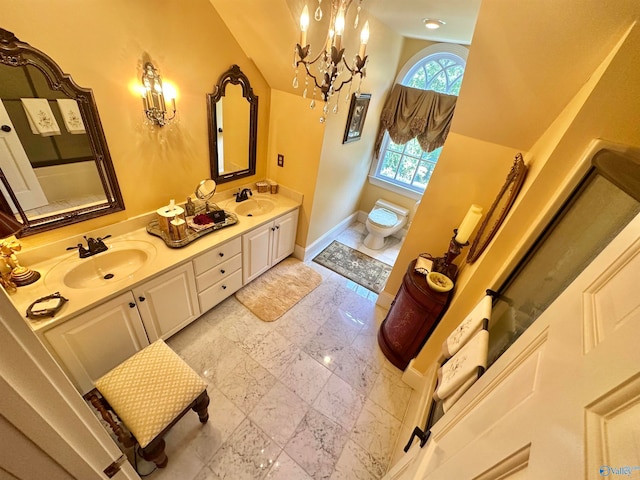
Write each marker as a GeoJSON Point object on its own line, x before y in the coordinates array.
{"type": "Point", "coordinates": [407, 168]}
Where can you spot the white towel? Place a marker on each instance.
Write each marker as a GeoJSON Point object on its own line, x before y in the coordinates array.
{"type": "Point", "coordinates": [448, 402]}
{"type": "Point", "coordinates": [71, 115]}
{"type": "Point", "coordinates": [469, 326]}
{"type": "Point", "coordinates": [40, 116]}
{"type": "Point", "coordinates": [462, 366]}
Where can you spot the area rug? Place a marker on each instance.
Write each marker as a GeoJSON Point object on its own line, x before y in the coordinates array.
{"type": "Point", "coordinates": [354, 265]}
{"type": "Point", "coordinates": [277, 290]}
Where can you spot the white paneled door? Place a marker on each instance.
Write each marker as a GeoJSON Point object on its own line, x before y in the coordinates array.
{"type": "Point", "coordinates": [564, 401]}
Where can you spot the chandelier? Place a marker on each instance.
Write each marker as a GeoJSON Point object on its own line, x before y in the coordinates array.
{"type": "Point", "coordinates": [331, 71]}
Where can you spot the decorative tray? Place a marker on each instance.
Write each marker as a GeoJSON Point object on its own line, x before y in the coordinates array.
{"type": "Point", "coordinates": [192, 233]}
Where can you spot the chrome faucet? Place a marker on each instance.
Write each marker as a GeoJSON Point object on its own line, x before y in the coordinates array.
{"type": "Point", "coordinates": [241, 196]}
{"type": "Point", "coordinates": [94, 246]}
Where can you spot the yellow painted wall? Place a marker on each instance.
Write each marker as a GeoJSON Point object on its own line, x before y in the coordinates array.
{"type": "Point", "coordinates": [295, 133]}
{"type": "Point", "coordinates": [343, 168]}
{"type": "Point", "coordinates": [101, 45]}
{"type": "Point", "coordinates": [469, 171]}
{"type": "Point", "coordinates": [607, 108]}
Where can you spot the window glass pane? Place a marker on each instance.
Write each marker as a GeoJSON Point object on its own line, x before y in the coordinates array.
{"type": "Point", "coordinates": [419, 80]}
{"type": "Point", "coordinates": [390, 164]}
{"type": "Point", "coordinates": [432, 156]}
{"type": "Point", "coordinates": [394, 147]}
{"type": "Point", "coordinates": [454, 88]}
{"type": "Point", "coordinates": [407, 169]}
{"type": "Point", "coordinates": [425, 169]}
{"type": "Point", "coordinates": [413, 148]}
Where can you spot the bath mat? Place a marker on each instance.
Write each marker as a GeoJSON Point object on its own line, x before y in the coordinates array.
{"type": "Point", "coordinates": [354, 265]}
{"type": "Point", "coordinates": [277, 290]}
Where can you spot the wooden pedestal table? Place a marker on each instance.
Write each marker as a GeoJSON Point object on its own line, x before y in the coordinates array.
{"type": "Point", "coordinates": [413, 315]}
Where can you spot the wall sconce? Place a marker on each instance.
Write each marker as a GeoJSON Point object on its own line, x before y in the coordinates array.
{"type": "Point", "coordinates": [155, 96]}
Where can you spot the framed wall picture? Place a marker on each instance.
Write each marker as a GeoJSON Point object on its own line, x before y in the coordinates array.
{"type": "Point", "coordinates": [357, 114]}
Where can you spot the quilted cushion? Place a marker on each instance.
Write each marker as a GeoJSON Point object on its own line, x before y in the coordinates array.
{"type": "Point", "coordinates": [150, 389]}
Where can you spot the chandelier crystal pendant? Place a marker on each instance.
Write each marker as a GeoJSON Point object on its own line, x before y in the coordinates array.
{"type": "Point", "coordinates": [333, 70]}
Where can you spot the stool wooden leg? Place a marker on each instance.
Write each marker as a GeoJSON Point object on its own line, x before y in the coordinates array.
{"type": "Point", "coordinates": [154, 452]}
{"type": "Point", "coordinates": [200, 407]}
{"type": "Point", "coordinates": [100, 405]}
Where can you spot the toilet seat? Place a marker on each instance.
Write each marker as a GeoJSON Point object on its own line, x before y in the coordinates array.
{"type": "Point", "coordinates": [383, 218]}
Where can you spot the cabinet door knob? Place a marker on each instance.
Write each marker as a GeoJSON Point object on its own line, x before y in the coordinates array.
{"type": "Point", "coordinates": [222, 271]}
{"type": "Point", "coordinates": [5, 128]}
{"type": "Point", "coordinates": [273, 229]}
{"type": "Point", "coordinates": [132, 305]}
{"type": "Point", "coordinates": [224, 287]}
{"type": "Point", "coordinates": [277, 227]}
{"type": "Point", "coordinates": [142, 299]}
{"type": "Point", "coordinates": [221, 254]}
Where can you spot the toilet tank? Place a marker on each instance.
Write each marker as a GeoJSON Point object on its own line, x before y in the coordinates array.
{"type": "Point", "coordinates": [397, 209]}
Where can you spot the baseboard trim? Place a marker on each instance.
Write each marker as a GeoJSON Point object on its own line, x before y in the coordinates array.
{"type": "Point", "coordinates": [316, 247]}
{"type": "Point", "coordinates": [423, 385]}
{"type": "Point", "coordinates": [385, 300]}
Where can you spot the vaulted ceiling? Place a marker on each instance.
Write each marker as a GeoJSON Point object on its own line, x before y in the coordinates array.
{"type": "Point", "coordinates": [527, 59]}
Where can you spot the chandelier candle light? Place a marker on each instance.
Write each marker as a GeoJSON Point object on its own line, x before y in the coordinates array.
{"type": "Point", "coordinates": [334, 71]}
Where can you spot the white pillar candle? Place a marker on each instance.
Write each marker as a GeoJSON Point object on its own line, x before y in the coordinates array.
{"type": "Point", "coordinates": [468, 224]}
{"type": "Point", "coordinates": [304, 25]}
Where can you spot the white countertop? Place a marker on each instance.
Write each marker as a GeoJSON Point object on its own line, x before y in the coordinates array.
{"type": "Point", "coordinates": [165, 258]}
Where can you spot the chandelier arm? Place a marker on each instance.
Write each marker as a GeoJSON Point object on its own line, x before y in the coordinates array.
{"type": "Point", "coordinates": [343, 83]}
{"type": "Point", "coordinates": [309, 74]}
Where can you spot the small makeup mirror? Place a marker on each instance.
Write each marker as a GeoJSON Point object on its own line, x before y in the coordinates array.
{"type": "Point", "coordinates": [205, 189]}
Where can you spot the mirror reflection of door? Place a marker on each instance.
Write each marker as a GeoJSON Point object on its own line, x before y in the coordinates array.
{"type": "Point", "coordinates": [233, 112]}
{"type": "Point", "coordinates": [16, 167]}
{"type": "Point", "coordinates": [57, 173]}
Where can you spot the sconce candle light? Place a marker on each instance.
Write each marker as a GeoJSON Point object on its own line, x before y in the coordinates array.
{"type": "Point", "coordinates": [155, 96]}
{"type": "Point", "coordinates": [459, 240]}
{"type": "Point", "coordinates": [334, 71]}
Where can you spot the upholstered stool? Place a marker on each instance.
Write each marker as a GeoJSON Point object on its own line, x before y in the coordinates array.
{"type": "Point", "coordinates": [150, 392]}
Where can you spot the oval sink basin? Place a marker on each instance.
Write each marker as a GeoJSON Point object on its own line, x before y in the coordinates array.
{"type": "Point", "coordinates": [254, 207]}
{"type": "Point", "coordinates": [118, 263]}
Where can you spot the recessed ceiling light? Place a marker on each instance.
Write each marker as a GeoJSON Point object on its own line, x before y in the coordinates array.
{"type": "Point", "coordinates": [432, 23]}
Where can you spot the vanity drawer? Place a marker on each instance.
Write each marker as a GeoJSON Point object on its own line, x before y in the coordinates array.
{"type": "Point", "coordinates": [213, 295]}
{"type": "Point", "coordinates": [219, 272]}
{"type": "Point", "coordinates": [217, 255]}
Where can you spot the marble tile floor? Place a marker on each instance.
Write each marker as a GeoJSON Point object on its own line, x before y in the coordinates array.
{"type": "Point", "coordinates": [309, 396]}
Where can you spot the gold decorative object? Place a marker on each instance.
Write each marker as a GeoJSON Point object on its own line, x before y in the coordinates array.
{"type": "Point", "coordinates": [19, 275]}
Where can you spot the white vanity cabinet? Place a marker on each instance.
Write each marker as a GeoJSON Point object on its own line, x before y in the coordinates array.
{"type": "Point", "coordinates": [94, 342]}
{"type": "Point", "coordinates": [268, 244]}
{"type": "Point", "coordinates": [218, 273]}
{"type": "Point", "coordinates": [168, 302]}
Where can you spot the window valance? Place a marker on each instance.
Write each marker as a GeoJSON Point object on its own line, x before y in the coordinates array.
{"type": "Point", "coordinates": [414, 113]}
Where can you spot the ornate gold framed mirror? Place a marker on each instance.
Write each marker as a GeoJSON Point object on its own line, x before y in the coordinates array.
{"type": "Point", "coordinates": [233, 127]}
{"type": "Point", "coordinates": [499, 209]}
{"type": "Point", "coordinates": [55, 167]}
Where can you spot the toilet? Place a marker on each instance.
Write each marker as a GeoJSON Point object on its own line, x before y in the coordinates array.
{"type": "Point", "coordinates": [384, 219]}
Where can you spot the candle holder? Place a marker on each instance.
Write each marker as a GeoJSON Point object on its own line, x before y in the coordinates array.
{"type": "Point", "coordinates": [445, 264]}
